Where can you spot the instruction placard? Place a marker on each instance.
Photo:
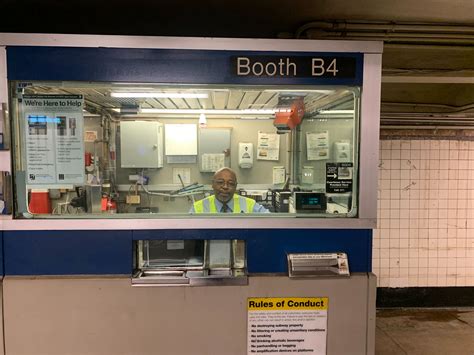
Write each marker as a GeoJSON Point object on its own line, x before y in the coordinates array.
{"type": "Point", "coordinates": [317, 145]}
{"type": "Point", "coordinates": [339, 177]}
{"type": "Point", "coordinates": [287, 325]}
{"type": "Point", "coordinates": [54, 139]}
{"type": "Point", "coordinates": [268, 146]}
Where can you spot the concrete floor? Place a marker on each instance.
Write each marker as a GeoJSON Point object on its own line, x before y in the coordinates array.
{"type": "Point", "coordinates": [425, 331]}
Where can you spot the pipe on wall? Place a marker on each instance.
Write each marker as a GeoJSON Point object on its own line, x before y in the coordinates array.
{"type": "Point", "coordinates": [390, 32]}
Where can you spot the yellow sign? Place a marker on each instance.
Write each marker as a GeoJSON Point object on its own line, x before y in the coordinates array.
{"type": "Point", "coordinates": [287, 303]}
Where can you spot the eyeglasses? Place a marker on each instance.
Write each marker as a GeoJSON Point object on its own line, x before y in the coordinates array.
{"type": "Point", "coordinates": [223, 182]}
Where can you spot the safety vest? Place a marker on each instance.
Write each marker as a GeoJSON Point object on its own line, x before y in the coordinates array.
{"type": "Point", "coordinates": [199, 205]}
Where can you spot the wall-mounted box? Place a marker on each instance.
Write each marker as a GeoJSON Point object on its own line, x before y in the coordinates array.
{"type": "Point", "coordinates": [141, 144]}
{"type": "Point", "coordinates": [181, 139]}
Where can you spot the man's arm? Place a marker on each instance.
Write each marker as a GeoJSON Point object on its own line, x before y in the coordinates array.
{"type": "Point", "coordinates": [257, 208]}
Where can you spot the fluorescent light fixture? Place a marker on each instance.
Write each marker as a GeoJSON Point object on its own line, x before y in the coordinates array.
{"type": "Point", "coordinates": [303, 91]}
{"type": "Point", "coordinates": [194, 112]}
{"type": "Point", "coordinates": [336, 112]}
{"type": "Point", "coordinates": [210, 112]}
{"type": "Point", "coordinates": [159, 95]}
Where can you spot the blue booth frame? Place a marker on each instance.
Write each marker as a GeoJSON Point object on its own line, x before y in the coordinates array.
{"type": "Point", "coordinates": [109, 252]}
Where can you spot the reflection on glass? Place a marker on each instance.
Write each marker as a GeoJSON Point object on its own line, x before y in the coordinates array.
{"type": "Point", "coordinates": [303, 159]}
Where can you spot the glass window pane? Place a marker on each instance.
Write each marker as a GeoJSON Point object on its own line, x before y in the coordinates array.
{"type": "Point", "coordinates": [100, 149]}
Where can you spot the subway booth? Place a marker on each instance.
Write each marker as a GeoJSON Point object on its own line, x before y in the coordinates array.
{"type": "Point", "coordinates": [114, 142]}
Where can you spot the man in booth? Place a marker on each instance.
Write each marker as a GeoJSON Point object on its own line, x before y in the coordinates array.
{"type": "Point", "coordinates": [225, 200]}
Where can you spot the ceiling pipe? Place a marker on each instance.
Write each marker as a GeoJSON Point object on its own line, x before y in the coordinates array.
{"type": "Point", "coordinates": [426, 79]}
{"type": "Point", "coordinates": [386, 26]}
{"type": "Point", "coordinates": [433, 127]}
{"type": "Point", "coordinates": [405, 120]}
{"type": "Point", "coordinates": [413, 33]}
{"type": "Point", "coordinates": [452, 109]}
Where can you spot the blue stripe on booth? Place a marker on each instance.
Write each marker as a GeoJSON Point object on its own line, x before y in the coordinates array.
{"type": "Point", "coordinates": [110, 252]}
{"type": "Point", "coordinates": [67, 252]}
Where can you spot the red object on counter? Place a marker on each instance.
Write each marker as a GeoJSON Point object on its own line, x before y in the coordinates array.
{"type": "Point", "coordinates": [87, 159]}
{"type": "Point", "coordinates": [103, 204]}
{"type": "Point", "coordinates": [108, 205]}
{"type": "Point", "coordinates": [112, 206]}
{"type": "Point", "coordinates": [39, 202]}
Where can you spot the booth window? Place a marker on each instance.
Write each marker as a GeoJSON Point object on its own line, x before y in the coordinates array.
{"type": "Point", "coordinates": [96, 149]}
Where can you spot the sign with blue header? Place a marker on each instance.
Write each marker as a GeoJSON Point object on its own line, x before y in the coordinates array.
{"type": "Point", "coordinates": [184, 66]}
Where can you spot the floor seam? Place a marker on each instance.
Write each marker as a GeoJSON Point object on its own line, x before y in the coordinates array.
{"type": "Point", "coordinates": [396, 343]}
{"type": "Point", "coordinates": [463, 321]}
{"type": "Point", "coordinates": [466, 323]}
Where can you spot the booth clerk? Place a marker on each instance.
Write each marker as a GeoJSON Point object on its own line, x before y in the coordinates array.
{"type": "Point", "coordinates": [225, 200]}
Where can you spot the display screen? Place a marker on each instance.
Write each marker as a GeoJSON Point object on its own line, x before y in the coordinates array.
{"type": "Point", "coordinates": [310, 201]}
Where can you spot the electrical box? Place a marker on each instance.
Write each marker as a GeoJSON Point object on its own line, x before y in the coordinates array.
{"type": "Point", "coordinates": [214, 149]}
{"type": "Point", "coordinates": [245, 155]}
{"type": "Point", "coordinates": [141, 144]}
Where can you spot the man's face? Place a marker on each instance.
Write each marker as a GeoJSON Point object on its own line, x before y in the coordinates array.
{"type": "Point", "coordinates": [224, 185]}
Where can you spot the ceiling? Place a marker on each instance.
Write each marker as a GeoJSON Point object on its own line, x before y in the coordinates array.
{"type": "Point", "coordinates": [101, 97]}
{"type": "Point", "coordinates": [428, 61]}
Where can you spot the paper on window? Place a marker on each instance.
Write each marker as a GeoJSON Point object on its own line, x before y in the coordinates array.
{"type": "Point", "coordinates": [268, 147]}
{"type": "Point", "coordinates": [317, 145]}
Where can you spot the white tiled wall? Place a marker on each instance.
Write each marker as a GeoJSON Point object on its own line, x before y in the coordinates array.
{"type": "Point", "coordinates": [425, 232]}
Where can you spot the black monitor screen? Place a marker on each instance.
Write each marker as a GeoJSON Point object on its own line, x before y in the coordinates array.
{"type": "Point", "coordinates": [313, 201]}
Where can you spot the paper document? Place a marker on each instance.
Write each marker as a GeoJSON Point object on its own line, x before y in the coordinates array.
{"type": "Point", "coordinates": [212, 162]}
{"type": "Point", "coordinates": [268, 147]}
{"type": "Point", "coordinates": [317, 145]}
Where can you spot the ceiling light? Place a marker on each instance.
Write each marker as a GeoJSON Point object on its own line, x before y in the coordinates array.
{"type": "Point", "coordinates": [336, 112]}
{"type": "Point", "coordinates": [299, 92]}
{"type": "Point", "coordinates": [209, 112]}
{"type": "Point", "coordinates": [159, 95]}
{"type": "Point", "coordinates": [202, 120]}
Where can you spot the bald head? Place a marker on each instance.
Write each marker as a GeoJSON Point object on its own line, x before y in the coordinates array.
{"type": "Point", "coordinates": [232, 172]}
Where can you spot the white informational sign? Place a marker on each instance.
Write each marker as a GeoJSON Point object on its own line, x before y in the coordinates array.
{"type": "Point", "coordinates": [54, 138]}
{"type": "Point", "coordinates": [212, 162]}
{"type": "Point", "coordinates": [317, 145]}
{"type": "Point", "coordinates": [268, 146]}
{"type": "Point", "coordinates": [287, 325]}
{"type": "Point", "coordinates": [279, 175]}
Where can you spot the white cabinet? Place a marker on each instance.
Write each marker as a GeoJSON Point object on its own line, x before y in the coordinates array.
{"type": "Point", "coordinates": [141, 144]}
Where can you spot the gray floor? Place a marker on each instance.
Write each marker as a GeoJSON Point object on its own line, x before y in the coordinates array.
{"type": "Point", "coordinates": [425, 331]}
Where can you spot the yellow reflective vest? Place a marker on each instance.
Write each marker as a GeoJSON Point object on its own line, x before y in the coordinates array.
{"type": "Point", "coordinates": [208, 205]}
